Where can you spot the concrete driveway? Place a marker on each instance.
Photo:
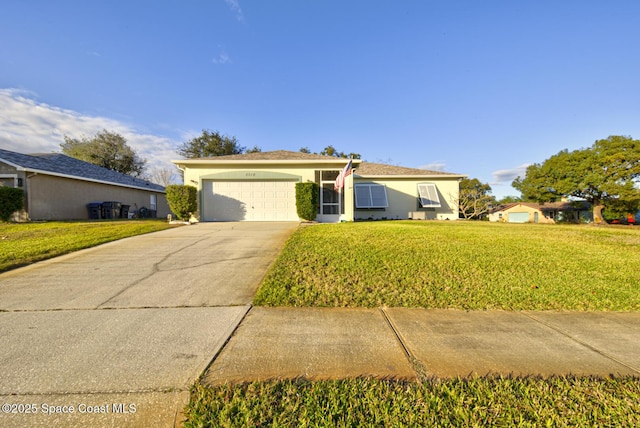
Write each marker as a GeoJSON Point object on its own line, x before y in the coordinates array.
{"type": "Point", "coordinates": [115, 335]}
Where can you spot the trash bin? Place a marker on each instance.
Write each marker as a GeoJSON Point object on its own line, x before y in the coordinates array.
{"type": "Point", "coordinates": [110, 210]}
{"type": "Point", "coordinates": [94, 209]}
{"type": "Point", "coordinates": [124, 211]}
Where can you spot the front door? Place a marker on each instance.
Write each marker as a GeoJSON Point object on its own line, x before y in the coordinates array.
{"type": "Point", "coordinates": [330, 198]}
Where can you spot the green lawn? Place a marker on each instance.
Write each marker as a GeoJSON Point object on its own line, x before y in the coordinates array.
{"type": "Point", "coordinates": [467, 265]}
{"type": "Point", "coordinates": [477, 402]}
{"type": "Point", "coordinates": [25, 243]}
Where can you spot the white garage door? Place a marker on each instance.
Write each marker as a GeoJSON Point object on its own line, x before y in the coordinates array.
{"type": "Point", "coordinates": [518, 217]}
{"type": "Point", "coordinates": [249, 200]}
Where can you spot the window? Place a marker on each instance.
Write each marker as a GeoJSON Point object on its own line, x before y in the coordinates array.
{"type": "Point", "coordinates": [10, 180]}
{"type": "Point", "coordinates": [371, 196]}
{"type": "Point", "coordinates": [428, 196]}
{"type": "Point", "coordinates": [152, 202]}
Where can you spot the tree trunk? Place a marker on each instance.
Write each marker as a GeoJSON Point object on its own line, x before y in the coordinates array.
{"type": "Point", "coordinates": [597, 213]}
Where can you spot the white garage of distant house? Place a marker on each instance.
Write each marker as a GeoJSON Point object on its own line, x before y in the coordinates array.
{"type": "Point", "coordinates": [261, 187]}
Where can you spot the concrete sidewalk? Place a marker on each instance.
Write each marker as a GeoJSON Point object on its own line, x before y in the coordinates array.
{"type": "Point", "coordinates": [327, 343]}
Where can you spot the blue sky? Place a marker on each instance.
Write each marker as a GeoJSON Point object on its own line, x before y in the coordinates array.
{"type": "Point", "coordinates": [481, 88]}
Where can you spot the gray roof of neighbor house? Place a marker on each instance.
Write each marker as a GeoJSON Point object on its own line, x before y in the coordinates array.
{"type": "Point", "coordinates": [65, 166]}
{"type": "Point", "coordinates": [363, 169]}
{"type": "Point", "coordinates": [547, 206]}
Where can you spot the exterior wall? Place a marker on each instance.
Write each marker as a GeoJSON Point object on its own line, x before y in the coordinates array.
{"type": "Point", "coordinates": [194, 176]}
{"type": "Point", "coordinates": [402, 196]}
{"type": "Point", "coordinates": [519, 209]}
{"type": "Point", "coordinates": [58, 198]}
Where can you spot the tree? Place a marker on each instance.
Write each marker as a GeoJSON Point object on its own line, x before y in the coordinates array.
{"type": "Point", "coordinates": [106, 149]}
{"type": "Point", "coordinates": [255, 149]}
{"type": "Point", "coordinates": [605, 174]}
{"type": "Point", "coordinates": [474, 198]}
{"type": "Point", "coordinates": [509, 199]}
{"type": "Point", "coordinates": [163, 176]}
{"type": "Point", "coordinates": [331, 151]}
{"type": "Point", "coordinates": [210, 144]}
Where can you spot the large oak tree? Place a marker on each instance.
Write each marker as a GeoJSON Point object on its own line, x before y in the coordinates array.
{"type": "Point", "coordinates": [605, 174]}
{"type": "Point", "coordinates": [474, 198]}
{"type": "Point", "coordinates": [106, 149]}
{"type": "Point", "coordinates": [212, 143]}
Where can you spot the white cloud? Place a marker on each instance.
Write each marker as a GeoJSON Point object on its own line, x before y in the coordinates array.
{"type": "Point", "coordinates": [501, 176]}
{"type": "Point", "coordinates": [28, 126]}
{"type": "Point", "coordinates": [434, 166]}
{"type": "Point", "coordinates": [234, 5]}
{"type": "Point", "coordinates": [223, 58]}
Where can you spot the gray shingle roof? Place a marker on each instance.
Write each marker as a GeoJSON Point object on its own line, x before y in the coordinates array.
{"type": "Point", "coordinates": [379, 169]}
{"type": "Point", "coordinates": [362, 168]}
{"type": "Point", "coordinates": [59, 164]}
{"type": "Point", "coordinates": [276, 155]}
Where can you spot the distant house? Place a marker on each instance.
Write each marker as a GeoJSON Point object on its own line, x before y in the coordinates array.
{"type": "Point", "coordinates": [550, 212]}
{"type": "Point", "coordinates": [261, 187]}
{"type": "Point", "coordinates": [59, 187]}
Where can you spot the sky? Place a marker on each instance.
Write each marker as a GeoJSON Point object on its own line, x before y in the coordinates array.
{"type": "Point", "coordinates": [482, 88]}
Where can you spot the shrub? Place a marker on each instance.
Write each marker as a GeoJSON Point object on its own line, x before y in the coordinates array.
{"type": "Point", "coordinates": [182, 200]}
{"type": "Point", "coordinates": [11, 200]}
{"type": "Point", "coordinates": [307, 195]}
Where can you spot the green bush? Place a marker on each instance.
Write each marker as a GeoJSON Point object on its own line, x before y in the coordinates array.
{"type": "Point", "coordinates": [11, 200]}
{"type": "Point", "coordinates": [182, 200]}
{"type": "Point", "coordinates": [307, 195]}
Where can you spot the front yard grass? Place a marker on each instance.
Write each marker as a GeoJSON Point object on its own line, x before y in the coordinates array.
{"type": "Point", "coordinates": [25, 243]}
{"type": "Point", "coordinates": [476, 402]}
{"type": "Point", "coordinates": [465, 265]}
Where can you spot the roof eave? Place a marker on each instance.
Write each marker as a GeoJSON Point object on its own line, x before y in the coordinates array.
{"type": "Point", "coordinates": [341, 161]}
{"type": "Point", "coordinates": [456, 176]}
{"type": "Point", "coordinates": [93, 180]}
{"type": "Point", "coordinates": [14, 165]}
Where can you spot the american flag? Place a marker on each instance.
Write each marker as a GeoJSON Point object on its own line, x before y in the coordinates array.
{"type": "Point", "coordinates": [339, 184]}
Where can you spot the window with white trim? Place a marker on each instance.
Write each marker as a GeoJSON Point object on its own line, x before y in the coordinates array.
{"type": "Point", "coordinates": [9, 180]}
{"type": "Point", "coordinates": [428, 196]}
{"type": "Point", "coordinates": [153, 202]}
{"type": "Point", "coordinates": [371, 196]}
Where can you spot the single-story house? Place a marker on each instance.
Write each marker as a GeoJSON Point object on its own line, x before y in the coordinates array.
{"type": "Point", "coordinates": [261, 187]}
{"type": "Point", "coordinates": [59, 187]}
{"type": "Point", "coordinates": [549, 212]}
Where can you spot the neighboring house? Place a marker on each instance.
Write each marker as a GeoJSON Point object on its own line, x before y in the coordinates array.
{"type": "Point", "coordinates": [550, 212]}
{"type": "Point", "coordinates": [59, 187]}
{"type": "Point", "coordinates": [261, 187]}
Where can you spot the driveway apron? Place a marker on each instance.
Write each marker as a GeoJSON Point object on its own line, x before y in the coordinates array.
{"type": "Point", "coordinates": [115, 335]}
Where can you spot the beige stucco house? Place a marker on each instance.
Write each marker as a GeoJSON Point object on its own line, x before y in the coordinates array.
{"type": "Point", "coordinates": [261, 187]}
{"type": "Point", "coordinates": [59, 187]}
{"type": "Point", "coordinates": [550, 212]}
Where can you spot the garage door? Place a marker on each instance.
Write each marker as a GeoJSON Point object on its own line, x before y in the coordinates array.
{"type": "Point", "coordinates": [518, 217]}
{"type": "Point", "coordinates": [249, 201]}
